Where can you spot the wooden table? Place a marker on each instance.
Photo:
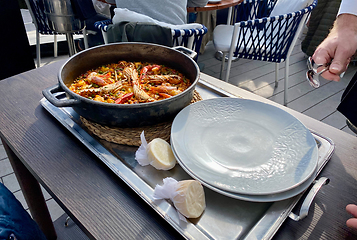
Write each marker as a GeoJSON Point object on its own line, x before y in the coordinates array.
{"type": "Point", "coordinates": [102, 205]}
{"type": "Point", "coordinates": [215, 6]}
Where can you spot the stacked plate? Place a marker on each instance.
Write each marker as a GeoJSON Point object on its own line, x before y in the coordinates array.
{"type": "Point", "coordinates": [245, 149]}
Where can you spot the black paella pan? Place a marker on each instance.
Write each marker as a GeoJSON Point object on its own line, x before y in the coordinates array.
{"type": "Point", "coordinates": [128, 115]}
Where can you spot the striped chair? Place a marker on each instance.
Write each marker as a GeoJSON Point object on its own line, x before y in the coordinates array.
{"type": "Point", "coordinates": [255, 36]}
{"type": "Point", "coordinates": [190, 38]}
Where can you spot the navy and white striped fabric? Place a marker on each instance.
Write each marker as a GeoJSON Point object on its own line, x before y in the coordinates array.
{"type": "Point", "coordinates": [180, 37]}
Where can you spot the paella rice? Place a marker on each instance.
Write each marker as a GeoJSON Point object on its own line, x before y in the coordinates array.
{"type": "Point", "coordinates": [130, 83]}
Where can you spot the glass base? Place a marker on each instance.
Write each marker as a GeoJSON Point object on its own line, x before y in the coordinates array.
{"type": "Point", "coordinates": [219, 54]}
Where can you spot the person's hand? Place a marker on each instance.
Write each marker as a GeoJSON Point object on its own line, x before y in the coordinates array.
{"type": "Point", "coordinates": [352, 222]}
{"type": "Point", "coordinates": [339, 45]}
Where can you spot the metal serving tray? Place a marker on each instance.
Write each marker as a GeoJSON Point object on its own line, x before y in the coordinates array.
{"type": "Point", "coordinates": [224, 217]}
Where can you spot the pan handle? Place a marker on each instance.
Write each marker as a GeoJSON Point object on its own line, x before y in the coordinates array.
{"type": "Point", "coordinates": [48, 93]}
{"type": "Point", "coordinates": [192, 54]}
{"type": "Point", "coordinates": [309, 198]}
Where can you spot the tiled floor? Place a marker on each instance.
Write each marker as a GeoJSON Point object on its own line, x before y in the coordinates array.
{"type": "Point", "coordinates": [8, 178]}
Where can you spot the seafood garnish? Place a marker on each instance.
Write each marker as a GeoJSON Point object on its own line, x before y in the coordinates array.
{"type": "Point", "coordinates": [109, 88]}
{"type": "Point", "coordinates": [172, 91]}
{"type": "Point", "coordinates": [131, 73]}
{"type": "Point", "coordinates": [95, 78]}
{"type": "Point", "coordinates": [174, 79]}
{"type": "Point", "coordinates": [148, 68]}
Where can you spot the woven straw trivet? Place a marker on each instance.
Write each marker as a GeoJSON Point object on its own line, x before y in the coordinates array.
{"type": "Point", "coordinates": [131, 136]}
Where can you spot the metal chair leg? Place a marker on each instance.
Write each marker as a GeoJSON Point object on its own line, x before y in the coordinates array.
{"type": "Point", "coordinates": [70, 42]}
{"type": "Point", "coordinates": [286, 83]}
{"type": "Point", "coordinates": [38, 49]}
{"type": "Point", "coordinates": [55, 45]}
{"type": "Point", "coordinates": [222, 65]}
{"type": "Point", "coordinates": [85, 38]}
{"type": "Point", "coordinates": [276, 75]}
{"type": "Point", "coordinates": [230, 57]}
{"type": "Point", "coordinates": [105, 37]}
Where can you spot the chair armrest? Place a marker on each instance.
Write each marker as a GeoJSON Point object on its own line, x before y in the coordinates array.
{"type": "Point", "coordinates": [103, 25]}
{"type": "Point", "coordinates": [190, 38]}
{"type": "Point", "coordinates": [279, 18]}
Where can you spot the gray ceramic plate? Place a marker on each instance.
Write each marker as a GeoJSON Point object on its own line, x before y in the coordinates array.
{"type": "Point", "coordinates": [257, 198]}
{"type": "Point", "coordinates": [243, 146]}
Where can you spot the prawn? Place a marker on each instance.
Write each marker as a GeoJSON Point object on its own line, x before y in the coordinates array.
{"type": "Point", "coordinates": [165, 89]}
{"type": "Point", "coordinates": [144, 70]}
{"type": "Point", "coordinates": [109, 88]}
{"type": "Point", "coordinates": [131, 74]}
{"type": "Point", "coordinates": [97, 79]}
{"type": "Point", "coordinates": [173, 79]}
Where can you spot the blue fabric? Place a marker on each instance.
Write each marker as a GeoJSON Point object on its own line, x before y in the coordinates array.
{"type": "Point", "coordinates": [191, 17]}
{"type": "Point", "coordinates": [83, 9]}
{"type": "Point", "coordinates": [15, 220]}
{"type": "Point", "coordinates": [97, 38]}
